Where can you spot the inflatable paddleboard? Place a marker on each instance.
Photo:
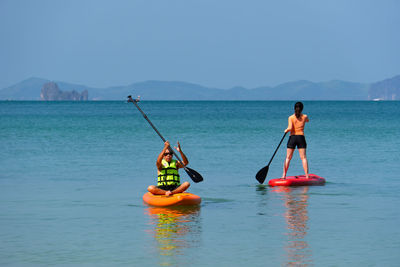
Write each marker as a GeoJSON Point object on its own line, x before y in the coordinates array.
{"type": "Point", "coordinates": [298, 180]}
{"type": "Point", "coordinates": [180, 199]}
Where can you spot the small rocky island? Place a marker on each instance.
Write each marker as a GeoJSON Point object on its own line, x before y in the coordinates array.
{"type": "Point", "coordinates": [51, 92]}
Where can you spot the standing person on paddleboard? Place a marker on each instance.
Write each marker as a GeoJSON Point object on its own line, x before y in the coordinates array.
{"type": "Point", "coordinates": [296, 124]}
{"type": "Point", "coordinates": [168, 180]}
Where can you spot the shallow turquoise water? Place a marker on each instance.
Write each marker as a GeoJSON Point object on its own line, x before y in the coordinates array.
{"type": "Point", "coordinates": [73, 174]}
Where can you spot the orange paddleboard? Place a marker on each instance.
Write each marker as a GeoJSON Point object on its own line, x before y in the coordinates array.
{"type": "Point", "coordinates": [180, 199]}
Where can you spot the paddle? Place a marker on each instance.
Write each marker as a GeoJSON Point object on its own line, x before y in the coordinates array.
{"type": "Point", "coordinates": [262, 174]}
{"type": "Point", "coordinates": [194, 175]}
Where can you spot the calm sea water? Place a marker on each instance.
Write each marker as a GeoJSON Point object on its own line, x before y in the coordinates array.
{"type": "Point", "coordinates": [73, 174]}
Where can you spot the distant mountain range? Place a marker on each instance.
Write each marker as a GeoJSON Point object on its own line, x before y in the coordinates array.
{"type": "Point", "coordinates": [389, 89]}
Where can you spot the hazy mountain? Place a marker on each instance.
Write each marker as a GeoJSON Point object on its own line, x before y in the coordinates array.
{"type": "Point", "coordinates": [174, 90]}
{"type": "Point", "coordinates": [388, 89]}
{"type": "Point", "coordinates": [28, 89]}
{"type": "Point", "coordinates": [306, 90]}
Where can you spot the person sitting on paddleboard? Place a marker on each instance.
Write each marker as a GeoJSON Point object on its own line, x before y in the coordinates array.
{"type": "Point", "coordinates": [296, 124]}
{"type": "Point", "coordinates": [168, 180]}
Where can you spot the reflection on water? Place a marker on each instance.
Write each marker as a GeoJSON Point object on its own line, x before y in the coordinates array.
{"type": "Point", "coordinates": [174, 229]}
{"type": "Point", "coordinates": [262, 191]}
{"type": "Point", "coordinates": [296, 202]}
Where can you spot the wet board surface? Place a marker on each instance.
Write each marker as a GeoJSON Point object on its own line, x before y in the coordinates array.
{"type": "Point", "coordinates": [298, 180]}
{"type": "Point", "coordinates": [180, 199]}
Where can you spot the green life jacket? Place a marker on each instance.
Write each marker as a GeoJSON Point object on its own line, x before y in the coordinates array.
{"type": "Point", "coordinates": [169, 174]}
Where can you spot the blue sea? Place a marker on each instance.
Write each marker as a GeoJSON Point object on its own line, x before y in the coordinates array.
{"type": "Point", "coordinates": [72, 176]}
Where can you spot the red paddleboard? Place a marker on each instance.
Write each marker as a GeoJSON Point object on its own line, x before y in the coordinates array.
{"type": "Point", "coordinates": [298, 180]}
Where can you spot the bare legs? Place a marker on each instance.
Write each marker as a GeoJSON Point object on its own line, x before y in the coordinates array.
{"type": "Point", "coordinates": [157, 191]}
{"type": "Point", "coordinates": [289, 155]}
{"type": "Point", "coordinates": [303, 157]}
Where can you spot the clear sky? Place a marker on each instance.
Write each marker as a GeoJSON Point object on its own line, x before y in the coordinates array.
{"type": "Point", "coordinates": [215, 43]}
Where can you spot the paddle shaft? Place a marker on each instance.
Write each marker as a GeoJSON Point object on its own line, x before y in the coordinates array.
{"type": "Point", "coordinates": [155, 129]}
{"type": "Point", "coordinates": [277, 149]}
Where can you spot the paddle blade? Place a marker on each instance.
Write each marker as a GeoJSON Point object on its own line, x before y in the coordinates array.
{"type": "Point", "coordinates": [262, 174]}
{"type": "Point", "coordinates": [195, 176]}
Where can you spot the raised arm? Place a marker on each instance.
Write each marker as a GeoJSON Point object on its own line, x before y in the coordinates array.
{"type": "Point", "coordinates": [184, 158]}
{"type": "Point", "coordinates": [161, 155]}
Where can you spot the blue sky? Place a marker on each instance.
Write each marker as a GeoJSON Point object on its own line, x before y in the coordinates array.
{"type": "Point", "coordinates": [215, 43]}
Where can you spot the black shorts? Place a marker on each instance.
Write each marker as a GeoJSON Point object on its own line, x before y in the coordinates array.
{"type": "Point", "coordinates": [297, 140]}
{"type": "Point", "coordinates": [168, 187]}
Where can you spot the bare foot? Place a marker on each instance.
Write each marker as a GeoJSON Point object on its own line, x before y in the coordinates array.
{"type": "Point", "coordinates": [168, 193]}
